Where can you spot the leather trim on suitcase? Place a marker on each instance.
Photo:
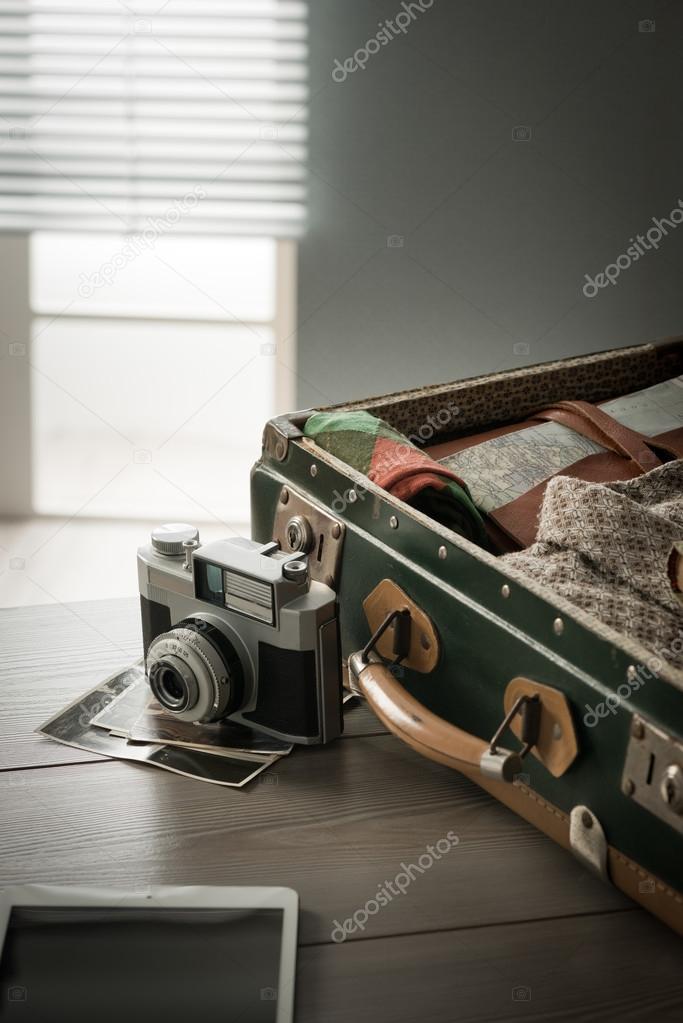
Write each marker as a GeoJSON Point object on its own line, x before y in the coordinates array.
{"type": "Point", "coordinates": [629, 877]}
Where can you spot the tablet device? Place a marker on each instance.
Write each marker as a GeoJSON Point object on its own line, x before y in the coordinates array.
{"type": "Point", "coordinates": [168, 954]}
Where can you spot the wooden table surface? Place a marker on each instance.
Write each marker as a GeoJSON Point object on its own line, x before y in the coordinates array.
{"type": "Point", "coordinates": [504, 926]}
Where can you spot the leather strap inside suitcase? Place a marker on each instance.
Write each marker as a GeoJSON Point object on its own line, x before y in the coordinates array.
{"type": "Point", "coordinates": [628, 454]}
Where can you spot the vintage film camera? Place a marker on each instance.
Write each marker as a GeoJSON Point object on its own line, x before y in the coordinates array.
{"type": "Point", "coordinates": [237, 629]}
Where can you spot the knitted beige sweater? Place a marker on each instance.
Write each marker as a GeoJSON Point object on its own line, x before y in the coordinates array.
{"type": "Point", "coordinates": [605, 548]}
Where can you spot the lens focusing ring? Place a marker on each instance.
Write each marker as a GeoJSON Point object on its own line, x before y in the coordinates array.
{"type": "Point", "coordinates": [231, 680]}
{"type": "Point", "coordinates": [208, 657]}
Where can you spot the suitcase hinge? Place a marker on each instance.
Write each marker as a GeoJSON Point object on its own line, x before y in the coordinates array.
{"type": "Point", "coordinates": [278, 432]}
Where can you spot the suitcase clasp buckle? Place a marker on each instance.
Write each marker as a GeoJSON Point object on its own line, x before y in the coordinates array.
{"type": "Point", "coordinates": [529, 707]}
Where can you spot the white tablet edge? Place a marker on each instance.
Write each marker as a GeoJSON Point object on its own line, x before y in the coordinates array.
{"type": "Point", "coordinates": [167, 897]}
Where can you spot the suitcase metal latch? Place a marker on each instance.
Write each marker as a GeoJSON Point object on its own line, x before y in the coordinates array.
{"type": "Point", "coordinates": [303, 527]}
{"type": "Point", "coordinates": [653, 772]}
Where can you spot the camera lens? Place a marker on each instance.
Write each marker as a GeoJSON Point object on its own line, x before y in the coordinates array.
{"type": "Point", "coordinates": [173, 685]}
{"type": "Point", "coordinates": [195, 671]}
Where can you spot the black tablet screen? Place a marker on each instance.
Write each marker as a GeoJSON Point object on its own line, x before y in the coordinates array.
{"type": "Point", "coordinates": [115, 963]}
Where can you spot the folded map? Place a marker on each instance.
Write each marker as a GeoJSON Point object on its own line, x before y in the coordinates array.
{"type": "Point", "coordinates": [501, 469]}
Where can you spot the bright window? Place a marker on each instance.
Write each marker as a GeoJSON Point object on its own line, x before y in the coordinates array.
{"type": "Point", "coordinates": [150, 391]}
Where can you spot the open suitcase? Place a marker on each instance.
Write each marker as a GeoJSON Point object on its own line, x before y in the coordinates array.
{"type": "Point", "coordinates": [493, 665]}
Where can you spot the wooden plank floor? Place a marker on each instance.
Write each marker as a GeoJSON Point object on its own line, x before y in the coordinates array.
{"type": "Point", "coordinates": [504, 913]}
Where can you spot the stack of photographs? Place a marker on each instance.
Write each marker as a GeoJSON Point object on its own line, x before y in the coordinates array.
{"type": "Point", "coordinates": [120, 718]}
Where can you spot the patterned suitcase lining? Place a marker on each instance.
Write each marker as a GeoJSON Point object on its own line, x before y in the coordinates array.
{"type": "Point", "coordinates": [513, 395]}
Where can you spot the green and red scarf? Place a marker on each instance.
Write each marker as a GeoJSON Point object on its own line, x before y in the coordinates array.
{"type": "Point", "coordinates": [392, 462]}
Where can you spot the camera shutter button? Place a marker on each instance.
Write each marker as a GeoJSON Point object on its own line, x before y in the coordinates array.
{"type": "Point", "coordinates": [169, 539]}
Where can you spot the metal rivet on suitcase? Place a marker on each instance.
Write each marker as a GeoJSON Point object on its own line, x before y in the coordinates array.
{"type": "Point", "coordinates": [505, 590]}
{"type": "Point", "coordinates": [443, 553]}
{"type": "Point", "coordinates": [393, 522]}
{"type": "Point", "coordinates": [637, 728]}
{"type": "Point", "coordinates": [558, 626]}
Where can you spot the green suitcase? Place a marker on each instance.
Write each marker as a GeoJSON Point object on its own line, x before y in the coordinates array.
{"type": "Point", "coordinates": [495, 667]}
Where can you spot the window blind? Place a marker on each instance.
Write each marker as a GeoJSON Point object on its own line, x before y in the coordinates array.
{"type": "Point", "coordinates": [115, 115]}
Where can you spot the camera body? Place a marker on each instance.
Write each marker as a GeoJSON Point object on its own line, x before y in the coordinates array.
{"type": "Point", "coordinates": [236, 629]}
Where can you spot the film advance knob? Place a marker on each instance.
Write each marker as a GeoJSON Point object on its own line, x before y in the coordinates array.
{"type": "Point", "coordinates": [169, 539]}
{"type": "Point", "coordinates": [295, 571]}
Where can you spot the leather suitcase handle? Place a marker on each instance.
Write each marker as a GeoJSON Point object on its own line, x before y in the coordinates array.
{"type": "Point", "coordinates": [591, 422]}
{"type": "Point", "coordinates": [423, 731]}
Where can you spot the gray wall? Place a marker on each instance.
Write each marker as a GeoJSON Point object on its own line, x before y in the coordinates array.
{"type": "Point", "coordinates": [496, 235]}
